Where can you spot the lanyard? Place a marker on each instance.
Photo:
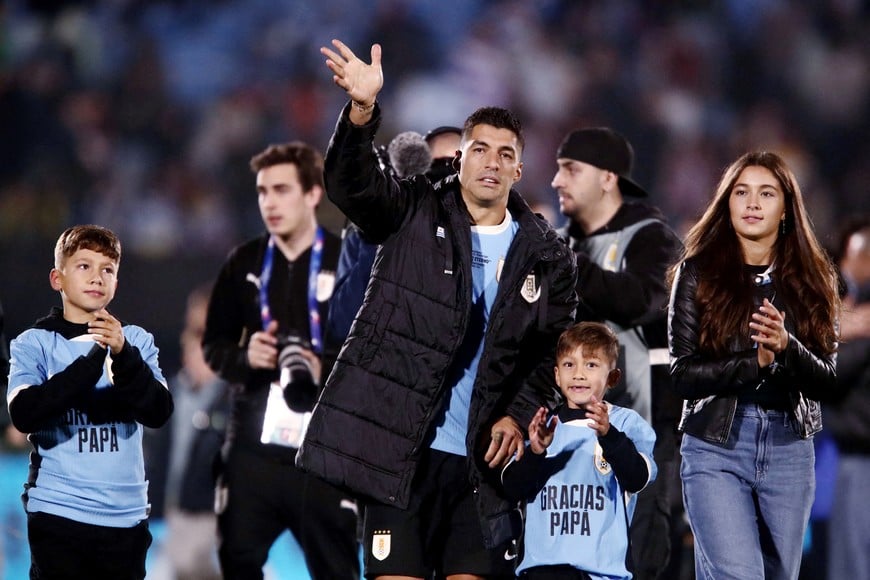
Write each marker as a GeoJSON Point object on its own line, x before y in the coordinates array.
{"type": "Point", "coordinates": [313, 271]}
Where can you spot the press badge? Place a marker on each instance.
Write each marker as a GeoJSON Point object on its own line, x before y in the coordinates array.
{"type": "Point", "coordinates": [281, 425]}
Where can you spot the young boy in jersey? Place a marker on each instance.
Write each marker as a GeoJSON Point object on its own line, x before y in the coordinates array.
{"type": "Point", "coordinates": [582, 469]}
{"type": "Point", "coordinates": [82, 384]}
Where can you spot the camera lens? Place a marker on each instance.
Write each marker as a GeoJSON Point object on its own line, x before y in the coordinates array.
{"type": "Point", "coordinates": [297, 378]}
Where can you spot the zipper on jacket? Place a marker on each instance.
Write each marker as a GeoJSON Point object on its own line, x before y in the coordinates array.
{"type": "Point", "coordinates": [441, 236]}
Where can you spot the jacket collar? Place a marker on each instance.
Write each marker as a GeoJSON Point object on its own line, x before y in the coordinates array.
{"type": "Point", "coordinates": [535, 228]}
{"type": "Point", "coordinates": [629, 213]}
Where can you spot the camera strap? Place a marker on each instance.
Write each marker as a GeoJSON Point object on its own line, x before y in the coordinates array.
{"type": "Point", "coordinates": [313, 271]}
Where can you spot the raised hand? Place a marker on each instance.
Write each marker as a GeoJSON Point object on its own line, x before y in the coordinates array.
{"type": "Point", "coordinates": [599, 416]}
{"type": "Point", "coordinates": [541, 432]}
{"type": "Point", "coordinates": [361, 81]}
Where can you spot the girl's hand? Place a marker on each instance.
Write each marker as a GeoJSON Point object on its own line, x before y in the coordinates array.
{"type": "Point", "coordinates": [768, 324]}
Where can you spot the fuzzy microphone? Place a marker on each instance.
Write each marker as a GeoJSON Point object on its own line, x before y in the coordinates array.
{"type": "Point", "coordinates": [409, 154]}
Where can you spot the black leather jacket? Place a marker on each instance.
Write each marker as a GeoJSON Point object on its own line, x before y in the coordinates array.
{"type": "Point", "coordinates": [710, 387]}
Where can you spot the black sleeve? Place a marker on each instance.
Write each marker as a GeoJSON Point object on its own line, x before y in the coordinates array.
{"type": "Point", "coordinates": [539, 351]}
{"type": "Point", "coordinates": [225, 340]}
{"type": "Point", "coordinates": [629, 466]}
{"type": "Point", "coordinates": [34, 407]}
{"type": "Point", "coordinates": [149, 399]}
{"type": "Point", "coordinates": [641, 286]}
{"type": "Point", "coordinates": [523, 479]}
{"type": "Point", "coordinates": [376, 202]}
{"type": "Point", "coordinates": [815, 375]}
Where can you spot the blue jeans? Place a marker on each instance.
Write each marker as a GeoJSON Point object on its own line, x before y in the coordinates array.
{"type": "Point", "coordinates": [748, 502]}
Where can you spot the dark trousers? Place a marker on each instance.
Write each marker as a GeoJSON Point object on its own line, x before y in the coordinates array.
{"type": "Point", "coordinates": [652, 537]}
{"type": "Point", "coordinates": [264, 497]}
{"type": "Point", "coordinates": [64, 549]}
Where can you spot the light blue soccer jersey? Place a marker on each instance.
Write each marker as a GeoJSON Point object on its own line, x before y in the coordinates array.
{"type": "Point", "coordinates": [581, 516]}
{"type": "Point", "coordinates": [489, 246]}
{"type": "Point", "coordinates": [90, 473]}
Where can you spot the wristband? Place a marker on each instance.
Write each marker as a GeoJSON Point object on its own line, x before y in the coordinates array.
{"type": "Point", "coordinates": [363, 109]}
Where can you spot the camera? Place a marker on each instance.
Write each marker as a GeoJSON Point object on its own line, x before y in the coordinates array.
{"type": "Point", "coordinates": [296, 378]}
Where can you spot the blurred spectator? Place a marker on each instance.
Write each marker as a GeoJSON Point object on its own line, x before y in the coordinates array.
{"type": "Point", "coordinates": [10, 437]}
{"type": "Point", "coordinates": [99, 97]}
{"type": "Point", "coordinates": [849, 421]}
{"type": "Point", "coordinates": [180, 458]}
{"type": "Point", "coordinates": [141, 115]}
{"type": "Point", "coordinates": [12, 441]}
{"type": "Point", "coordinates": [443, 144]}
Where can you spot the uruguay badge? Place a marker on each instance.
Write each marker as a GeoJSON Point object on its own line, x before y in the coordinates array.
{"type": "Point", "coordinates": [325, 285]}
{"type": "Point", "coordinates": [600, 463]}
{"type": "Point", "coordinates": [381, 544]}
{"type": "Point", "coordinates": [530, 290]}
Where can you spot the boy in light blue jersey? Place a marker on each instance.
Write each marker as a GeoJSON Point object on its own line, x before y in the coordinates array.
{"type": "Point", "coordinates": [82, 385]}
{"type": "Point", "coordinates": [586, 464]}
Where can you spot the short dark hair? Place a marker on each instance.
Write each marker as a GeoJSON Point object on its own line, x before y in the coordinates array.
{"type": "Point", "coordinates": [307, 159]}
{"type": "Point", "coordinates": [591, 336]}
{"type": "Point", "coordinates": [496, 117]}
{"type": "Point", "coordinates": [442, 130]}
{"type": "Point", "coordinates": [88, 237]}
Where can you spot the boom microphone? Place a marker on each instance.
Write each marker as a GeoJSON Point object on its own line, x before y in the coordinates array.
{"type": "Point", "coordinates": [409, 154]}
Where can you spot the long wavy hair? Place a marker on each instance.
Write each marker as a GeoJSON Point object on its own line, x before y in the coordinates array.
{"type": "Point", "coordinates": [805, 278]}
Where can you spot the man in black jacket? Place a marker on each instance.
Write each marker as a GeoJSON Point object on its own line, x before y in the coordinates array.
{"type": "Point", "coordinates": [452, 349]}
{"type": "Point", "coordinates": [264, 332]}
{"type": "Point", "coordinates": [624, 249]}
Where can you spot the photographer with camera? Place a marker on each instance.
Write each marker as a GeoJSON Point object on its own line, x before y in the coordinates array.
{"type": "Point", "coordinates": [264, 331]}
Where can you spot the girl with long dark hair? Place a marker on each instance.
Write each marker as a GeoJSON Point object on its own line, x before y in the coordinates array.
{"type": "Point", "coordinates": [752, 329]}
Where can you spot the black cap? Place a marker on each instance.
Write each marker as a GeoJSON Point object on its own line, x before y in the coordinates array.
{"type": "Point", "coordinates": [606, 149]}
{"type": "Point", "coordinates": [442, 130]}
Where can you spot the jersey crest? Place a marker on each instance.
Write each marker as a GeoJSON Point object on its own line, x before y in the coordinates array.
{"type": "Point", "coordinates": [530, 291]}
{"type": "Point", "coordinates": [600, 463]}
{"type": "Point", "coordinates": [381, 544]}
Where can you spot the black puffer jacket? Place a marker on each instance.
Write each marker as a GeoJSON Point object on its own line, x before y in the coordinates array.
{"type": "Point", "coordinates": [378, 408]}
{"type": "Point", "coordinates": [711, 387]}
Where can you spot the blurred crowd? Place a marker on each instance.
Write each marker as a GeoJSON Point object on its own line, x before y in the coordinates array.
{"type": "Point", "coordinates": [141, 115]}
